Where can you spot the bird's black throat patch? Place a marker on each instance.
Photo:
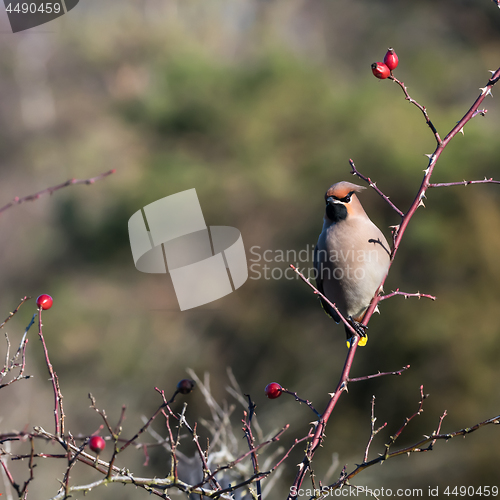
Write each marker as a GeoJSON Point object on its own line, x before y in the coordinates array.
{"type": "Point", "coordinates": [336, 212]}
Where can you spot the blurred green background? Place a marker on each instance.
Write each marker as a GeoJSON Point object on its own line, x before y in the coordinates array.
{"type": "Point", "coordinates": [259, 105]}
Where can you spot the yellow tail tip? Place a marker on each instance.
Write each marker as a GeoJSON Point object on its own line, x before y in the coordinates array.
{"type": "Point", "coordinates": [362, 342]}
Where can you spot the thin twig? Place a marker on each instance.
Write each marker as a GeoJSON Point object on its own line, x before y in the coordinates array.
{"type": "Point", "coordinates": [247, 429]}
{"type": "Point", "coordinates": [9, 317]}
{"type": "Point", "coordinates": [203, 457]}
{"type": "Point", "coordinates": [331, 304]}
{"type": "Point", "coordinates": [408, 419]}
{"type": "Point", "coordinates": [373, 431]}
{"type": "Point", "coordinates": [419, 106]}
{"type": "Point", "coordinates": [50, 190]}
{"type": "Point", "coordinates": [373, 185]}
{"type": "Point", "coordinates": [102, 413]}
{"type": "Point", "coordinates": [9, 477]}
{"type": "Point", "coordinates": [58, 406]}
{"type": "Point", "coordinates": [379, 374]}
{"type": "Point", "coordinates": [118, 428]}
{"type": "Point", "coordinates": [406, 295]}
{"type": "Point", "coordinates": [143, 428]}
{"type": "Point", "coordinates": [464, 183]}
{"type": "Point", "coordinates": [72, 459]}
{"type": "Point", "coordinates": [300, 400]}
{"type": "Point", "coordinates": [173, 456]}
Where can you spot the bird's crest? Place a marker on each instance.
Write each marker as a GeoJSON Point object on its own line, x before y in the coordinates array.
{"type": "Point", "coordinates": [342, 189]}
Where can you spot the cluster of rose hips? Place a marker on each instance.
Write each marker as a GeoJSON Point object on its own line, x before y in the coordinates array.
{"type": "Point", "coordinates": [384, 69]}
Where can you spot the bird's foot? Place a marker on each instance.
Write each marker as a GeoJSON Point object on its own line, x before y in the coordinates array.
{"type": "Point", "coordinates": [360, 329]}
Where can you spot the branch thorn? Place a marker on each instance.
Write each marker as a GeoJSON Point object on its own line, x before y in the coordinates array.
{"type": "Point", "coordinates": [486, 90]}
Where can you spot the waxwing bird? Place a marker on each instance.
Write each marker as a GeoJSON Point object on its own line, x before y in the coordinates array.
{"type": "Point", "coordinates": [351, 258]}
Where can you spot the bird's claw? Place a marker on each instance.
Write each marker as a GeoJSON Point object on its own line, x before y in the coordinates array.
{"type": "Point", "coordinates": [360, 328]}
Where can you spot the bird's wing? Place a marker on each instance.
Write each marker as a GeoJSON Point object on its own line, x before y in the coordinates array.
{"type": "Point", "coordinates": [318, 266]}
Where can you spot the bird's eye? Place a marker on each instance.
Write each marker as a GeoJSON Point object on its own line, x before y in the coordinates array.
{"type": "Point", "coordinates": [347, 198]}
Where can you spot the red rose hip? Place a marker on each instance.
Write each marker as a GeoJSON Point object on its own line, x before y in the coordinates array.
{"type": "Point", "coordinates": [44, 301]}
{"type": "Point", "coordinates": [381, 70]}
{"type": "Point", "coordinates": [273, 390]}
{"type": "Point", "coordinates": [391, 59]}
{"type": "Point", "coordinates": [97, 444]}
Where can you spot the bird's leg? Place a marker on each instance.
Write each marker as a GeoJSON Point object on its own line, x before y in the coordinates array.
{"type": "Point", "coordinates": [358, 326]}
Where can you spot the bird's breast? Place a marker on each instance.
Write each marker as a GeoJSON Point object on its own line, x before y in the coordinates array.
{"type": "Point", "coordinates": [355, 257]}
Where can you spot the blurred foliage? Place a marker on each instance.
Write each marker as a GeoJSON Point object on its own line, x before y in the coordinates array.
{"type": "Point", "coordinates": [258, 105]}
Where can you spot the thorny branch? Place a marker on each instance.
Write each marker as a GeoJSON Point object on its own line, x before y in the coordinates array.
{"type": "Point", "coordinates": [379, 374]}
{"type": "Point", "coordinates": [247, 430]}
{"type": "Point", "coordinates": [433, 158]}
{"type": "Point", "coordinates": [406, 295]}
{"type": "Point", "coordinates": [144, 427]}
{"type": "Point", "coordinates": [58, 404]}
{"type": "Point", "coordinates": [464, 183]}
{"type": "Point", "coordinates": [300, 400]}
{"type": "Point", "coordinates": [409, 419]}
{"type": "Point", "coordinates": [204, 457]}
{"type": "Point", "coordinates": [425, 444]}
{"type": "Point", "coordinates": [331, 304]}
{"type": "Point", "coordinates": [373, 185]}
{"type": "Point", "coordinates": [155, 486]}
{"type": "Point", "coordinates": [419, 106]}
{"type": "Point", "coordinates": [398, 232]}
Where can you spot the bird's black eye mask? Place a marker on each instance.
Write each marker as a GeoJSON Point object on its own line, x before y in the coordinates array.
{"type": "Point", "coordinates": [345, 199]}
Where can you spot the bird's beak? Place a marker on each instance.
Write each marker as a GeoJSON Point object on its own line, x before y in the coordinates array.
{"type": "Point", "coordinates": [332, 201]}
